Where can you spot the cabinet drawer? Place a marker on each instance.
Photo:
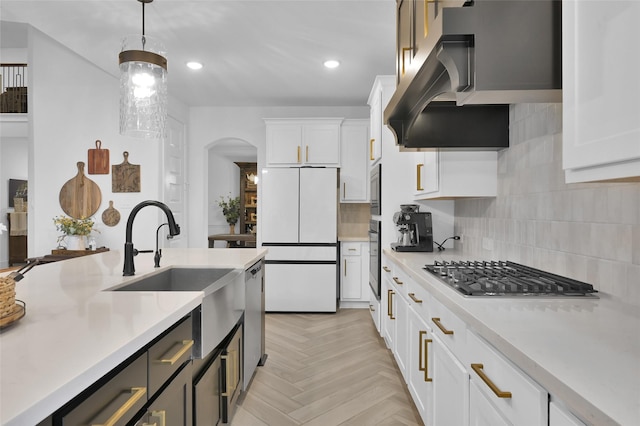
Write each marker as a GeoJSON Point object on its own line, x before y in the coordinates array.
{"type": "Point", "coordinates": [521, 400]}
{"type": "Point", "coordinates": [117, 400]}
{"type": "Point", "coordinates": [351, 249]}
{"type": "Point", "coordinates": [449, 328]}
{"type": "Point", "coordinates": [400, 280]}
{"type": "Point", "coordinates": [169, 353]}
{"type": "Point", "coordinates": [420, 301]}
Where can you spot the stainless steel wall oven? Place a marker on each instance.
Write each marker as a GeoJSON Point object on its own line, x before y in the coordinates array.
{"type": "Point", "coordinates": [375, 253]}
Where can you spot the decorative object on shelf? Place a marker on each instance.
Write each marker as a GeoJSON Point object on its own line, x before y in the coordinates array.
{"type": "Point", "coordinates": [230, 210]}
{"type": "Point", "coordinates": [18, 190]}
{"type": "Point", "coordinates": [143, 85]}
{"type": "Point", "coordinates": [125, 177]}
{"type": "Point", "coordinates": [98, 160]}
{"type": "Point", "coordinates": [111, 216]}
{"type": "Point", "coordinates": [253, 202]}
{"type": "Point", "coordinates": [253, 217]}
{"type": "Point", "coordinates": [74, 231]}
{"type": "Point", "coordinates": [80, 197]}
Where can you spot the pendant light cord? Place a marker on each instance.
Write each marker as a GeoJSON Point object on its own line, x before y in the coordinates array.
{"type": "Point", "coordinates": [144, 40]}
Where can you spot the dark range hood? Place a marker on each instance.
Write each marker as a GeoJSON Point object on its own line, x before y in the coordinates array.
{"type": "Point", "coordinates": [476, 60]}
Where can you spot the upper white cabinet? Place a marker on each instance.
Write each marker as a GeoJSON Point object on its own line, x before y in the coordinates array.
{"type": "Point", "coordinates": [383, 88]}
{"type": "Point", "coordinates": [308, 142]}
{"type": "Point", "coordinates": [354, 171]}
{"type": "Point", "coordinates": [450, 174]}
{"type": "Point", "coordinates": [601, 114]}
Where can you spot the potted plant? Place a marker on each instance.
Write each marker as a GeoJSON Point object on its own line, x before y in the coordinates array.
{"type": "Point", "coordinates": [231, 211]}
{"type": "Point", "coordinates": [74, 231]}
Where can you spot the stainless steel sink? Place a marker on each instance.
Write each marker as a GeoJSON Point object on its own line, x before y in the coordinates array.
{"type": "Point", "coordinates": [222, 305]}
{"type": "Point", "coordinates": [177, 279]}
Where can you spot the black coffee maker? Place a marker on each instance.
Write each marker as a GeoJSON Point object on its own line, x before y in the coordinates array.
{"type": "Point", "coordinates": [416, 229]}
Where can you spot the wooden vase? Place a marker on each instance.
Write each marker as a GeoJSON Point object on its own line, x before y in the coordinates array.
{"type": "Point", "coordinates": [232, 228]}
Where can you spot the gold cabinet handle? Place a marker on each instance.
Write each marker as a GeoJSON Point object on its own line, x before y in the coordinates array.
{"type": "Point", "coordinates": [307, 154]}
{"type": "Point", "coordinates": [390, 294]}
{"type": "Point", "coordinates": [344, 190]}
{"type": "Point", "coordinates": [299, 161]}
{"type": "Point", "coordinates": [231, 367]}
{"type": "Point", "coordinates": [345, 267]}
{"type": "Point", "coordinates": [371, 142]}
{"type": "Point", "coordinates": [413, 297]}
{"type": "Point", "coordinates": [437, 322]}
{"type": "Point", "coordinates": [419, 177]}
{"type": "Point", "coordinates": [371, 308]}
{"type": "Point", "coordinates": [159, 418]}
{"type": "Point", "coordinates": [404, 53]}
{"type": "Point", "coordinates": [186, 345]}
{"type": "Point", "coordinates": [478, 368]}
{"type": "Point", "coordinates": [423, 355]}
{"type": "Point", "coordinates": [352, 249]}
{"type": "Point", "coordinates": [137, 393]}
{"type": "Point", "coordinates": [397, 281]}
{"type": "Point", "coordinates": [384, 268]}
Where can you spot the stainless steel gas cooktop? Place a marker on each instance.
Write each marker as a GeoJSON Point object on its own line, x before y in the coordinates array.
{"type": "Point", "coordinates": [504, 278]}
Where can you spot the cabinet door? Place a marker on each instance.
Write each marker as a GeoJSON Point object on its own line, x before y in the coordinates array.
{"type": "Point", "coordinates": [481, 411]}
{"type": "Point", "coordinates": [318, 205]}
{"type": "Point", "coordinates": [450, 388]}
{"type": "Point", "coordinates": [404, 37]}
{"type": "Point", "coordinates": [389, 315]}
{"type": "Point", "coordinates": [427, 173]}
{"type": "Point", "coordinates": [559, 416]}
{"type": "Point", "coordinates": [354, 171]}
{"type": "Point", "coordinates": [420, 367]}
{"type": "Point", "coordinates": [206, 395]}
{"type": "Point", "coordinates": [321, 144]}
{"type": "Point", "coordinates": [300, 287]}
{"type": "Point", "coordinates": [601, 125]}
{"type": "Point", "coordinates": [402, 334]}
{"type": "Point", "coordinates": [284, 144]}
{"type": "Point", "coordinates": [173, 405]}
{"type": "Point", "coordinates": [350, 278]}
{"type": "Point", "coordinates": [375, 309]}
{"type": "Point", "coordinates": [279, 205]}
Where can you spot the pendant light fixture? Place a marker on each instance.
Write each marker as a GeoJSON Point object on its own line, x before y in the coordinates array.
{"type": "Point", "coordinates": [143, 86]}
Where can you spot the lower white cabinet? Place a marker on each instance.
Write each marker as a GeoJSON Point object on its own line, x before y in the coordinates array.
{"type": "Point", "coordinates": [375, 308]}
{"type": "Point", "coordinates": [420, 367]}
{"type": "Point", "coordinates": [481, 410]}
{"type": "Point", "coordinates": [354, 274]}
{"type": "Point", "coordinates": [560, 416]}
{"type": "Point", "coordinates": [304, 287]}
{"type": "Point", "coordinates": [450, 387]}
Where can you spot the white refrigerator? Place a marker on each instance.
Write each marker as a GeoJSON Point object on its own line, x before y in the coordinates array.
{"type": "Point", "coordinates": [299, 227]}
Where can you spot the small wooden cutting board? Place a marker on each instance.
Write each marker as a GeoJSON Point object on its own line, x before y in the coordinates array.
{"type": "Point", "coordinates": [80, 197]}
{"type": "Point", "coordinates": [125, 177]}
{"type": "Point", "coordinates": [98, 160]}
{"type": "Point", "coordinates": [111, 216]}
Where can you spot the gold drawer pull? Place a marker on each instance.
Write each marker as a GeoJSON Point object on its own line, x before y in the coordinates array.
{"type": "Point", "coordinates": [397, 281]}
{"type": "Point", "coordinates": [344, 190]}
{"type": "Point", "coordinates": [480, 372]}
{"type": "Point", "coordinates": [307, 154]}
{"type": "Point", "coordinates": [437, 322]}
{"type": "Point", "coordinates": [299, 161]}
{"type": "Point", "coordinates": [384, 268]}
{"type": "Point", "coordinates": [422, 355]}
{"type": "Point", "coordinates": [186, 345]}
{"type": "Point", "coordinates": [345, 267]}
{"type": "Point", "coordinates": [390, 294]}
{"type": "Point", "coordinates": [419, 177]}
{"type": "Point", "coordinates": [371, 142]}
{"type": "Point", "coordinates": [404, 54]}
{"type": "Point", "coordinates": [413, 297]}
{"type": "Point", "coordinates": [159, 418]}
{"type": "Point", "coordinates": [137, 393]}
{"type": "Point", "coordinates": [371, 308]}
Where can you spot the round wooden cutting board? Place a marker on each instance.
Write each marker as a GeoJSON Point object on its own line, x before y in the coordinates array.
{"type": "Point", "coordinates": [80, 197]}
{"type": "Point", "coordinates": [111, 216]}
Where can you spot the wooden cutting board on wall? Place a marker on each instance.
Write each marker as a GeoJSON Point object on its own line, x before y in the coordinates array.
{"type": "Point", "coordinates": [98, 160]}
{"type": "Point", "coordinates": [125, 177]}
{"type": "Point", "coordinates": [80, 197]}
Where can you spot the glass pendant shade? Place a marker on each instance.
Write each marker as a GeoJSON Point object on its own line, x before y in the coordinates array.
{"type": "Point", "coordinates": [143, 87]}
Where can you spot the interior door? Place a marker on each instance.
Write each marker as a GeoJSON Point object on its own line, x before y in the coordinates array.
{"type": "Point", "coordinates": [174, 182]}
{"type": "Point", "coordinates": [279, 205]}
{"type": "Point", "coordinates": [318, 205]}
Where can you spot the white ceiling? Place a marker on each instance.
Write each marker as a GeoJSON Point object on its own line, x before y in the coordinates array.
{"type": "Point", "coordinates": [255, 53]}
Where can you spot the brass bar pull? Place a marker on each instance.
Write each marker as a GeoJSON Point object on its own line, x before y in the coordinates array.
{"type": "Point", "coordinates": [186, 345]}
{"type": "Point", "coordinates": [397, 281]}
{"type": "Point", "coordinates": [161, 415]}
{"type": "Point", "coordinates": [437, 322]}
{"type": "Point", "coordinates": [299, 155]}
{"type": "Point", "coordinates": [227, 364]}
{"type": "Point", "coordinates": [419, 177]}
{"type": "Point", "coordinates": [371, 142]}
{"type": "Point", "coordinates": [390, 304]}
{"type": "Point", "coordinates": [352, 249]}
{"type": "Point", "coordinates": [307, 154]}
{"type": "Point", "coordinates": [384, 268]}
{"type": "Point", "coordinates": [371, 308]}
{"type": "Point", "coordinates": [421, 333]}
{"type": "Point", "coordinates": [478, 368]}
{"type": "Point", "coordinates": [344, 190]}
{"type": "Point", "coordinates": [426, 360]}
{"type": "Point", "coordinates": [413, 297]}
{"type": "Point", "coordinates": [345, 267]}
{"type": "Point", "coordinates": [404, 54]}
{"type": "Point", "coordinates": [137, 393]}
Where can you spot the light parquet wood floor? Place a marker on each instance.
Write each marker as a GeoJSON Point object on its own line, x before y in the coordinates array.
{"type": "Point", "coordinates": [326, 369]}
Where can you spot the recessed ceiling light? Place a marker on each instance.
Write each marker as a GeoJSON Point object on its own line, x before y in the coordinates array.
{"type": "Point", "coordinates": [194, 65]}
{"type": "Point", "coordinates": [331, 63]}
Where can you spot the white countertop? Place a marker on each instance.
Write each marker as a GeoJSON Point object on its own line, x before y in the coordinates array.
{"type": "Point", "coordinates": [74, 332]}
{"type": "Point", "coordinates": [584, 352]}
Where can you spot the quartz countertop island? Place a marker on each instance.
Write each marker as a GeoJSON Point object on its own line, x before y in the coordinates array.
{"type": "Point", "coordinates": [75, 330]}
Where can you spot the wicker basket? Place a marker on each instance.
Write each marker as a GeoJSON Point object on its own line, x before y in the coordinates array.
{"type": "Point", "coordinates": [7, 296]}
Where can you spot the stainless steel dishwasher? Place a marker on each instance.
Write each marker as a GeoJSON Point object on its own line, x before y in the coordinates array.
{"type": "Point", "coordinates": [254, 325]}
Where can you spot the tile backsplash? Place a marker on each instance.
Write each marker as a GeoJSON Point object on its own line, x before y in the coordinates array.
{"type": "Point", "coordinates": [586, 231]}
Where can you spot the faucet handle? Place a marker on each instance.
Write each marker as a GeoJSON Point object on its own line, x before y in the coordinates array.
{"type": "Point", "coordinates": [136, 251]}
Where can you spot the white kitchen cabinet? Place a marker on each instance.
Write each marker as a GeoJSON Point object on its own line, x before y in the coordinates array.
{"type": "Point", "coordinates": [300, 287]}
{"type": "Point", "coordinates": [354, 274]}
{"type": "Point", "coordinates": [600, 88]}
{"type": "Point", "coordinates": [450, 387]}
{"type": "Point", "coordinates": [375, 309]}
{"type": "Point", "coordinates": [381, 92]}
{"type": "Point", "coordinates": [308, 142]}
{"type": "Point", "coordinates": [420, 367]}
{"type": "Point", "coordinates": [560, 416]}
{"type": "Point", "coordinates": [451, 174]}
{"type": "Point", "coordinates": [354, 169]}
{"type": "Point", "coordinates": [481, 410]}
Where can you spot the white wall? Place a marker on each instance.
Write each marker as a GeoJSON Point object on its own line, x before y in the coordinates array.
{"type": "Point", "coordinates": [13, 165]}
{"type": "Point", "coordinates": [211, 124]}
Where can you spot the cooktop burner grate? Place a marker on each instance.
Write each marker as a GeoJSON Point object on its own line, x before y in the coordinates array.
{"type": "Point", "coordinates": [505, 278]}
